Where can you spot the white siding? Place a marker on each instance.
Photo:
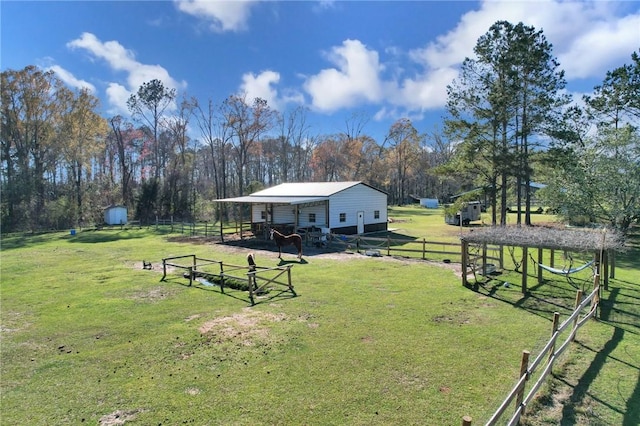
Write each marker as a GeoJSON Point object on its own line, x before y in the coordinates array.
{"type": "Point", "coordinates": [256, 213]}
{"type": "Point", "coordinates": [283, 214]}
{"type": "Point", "coordinates": [320, 212]}
{"type": "Point", "coordinates": [355, 199]}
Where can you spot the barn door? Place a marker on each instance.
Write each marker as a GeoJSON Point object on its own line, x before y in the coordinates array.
{"type": "Point", "coordinates": [360, 222]}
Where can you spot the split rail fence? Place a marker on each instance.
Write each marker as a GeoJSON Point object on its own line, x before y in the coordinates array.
{"type": "Point", "coordinates": [418, 248]}
{"type": "Point", "coordinates": [259, 280]}
{"type": "Point", "coordinates": [201, 229]}
{"type": "Point", "coordinates": [545, 359]}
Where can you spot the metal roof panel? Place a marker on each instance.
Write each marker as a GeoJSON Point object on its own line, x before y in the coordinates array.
{"type": "Point", "coordinates": [254, 199]}
{"type": "Point", "coordinates": [306, 189]}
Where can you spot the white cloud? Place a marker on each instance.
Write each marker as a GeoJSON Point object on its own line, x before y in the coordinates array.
{"type": "Point", "coordinates": [356, 78]}
{"type": "Point", "coordinates": [263, 86]}
{"type": "Point", "coordinates": [588, 37]}
{"type": "Point", "coordinates": [117, 96]}
{"type": "Point", "coordinates": [607, 45]}
{"type": "Point", "coordinates": [222, 15]}
{"type": "Point", "coordinates": [426, 91]}
{"type": "Point", "coordinates": [70, 80]}
{"type": "Point", "coordinates": [121, 59]}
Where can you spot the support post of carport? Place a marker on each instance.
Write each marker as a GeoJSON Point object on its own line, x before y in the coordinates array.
{"type": "Point", "coordinates": [612, 257]}
{"type": "Point", "coordinates": [525, 254]}
{"type": "Point", "coordinates": [540, 261]}
{"type": "Point", "coordinates": [605, 274]}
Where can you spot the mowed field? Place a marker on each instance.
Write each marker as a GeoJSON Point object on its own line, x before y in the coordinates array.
{"type": "Point", "coordinates": [90, 337]}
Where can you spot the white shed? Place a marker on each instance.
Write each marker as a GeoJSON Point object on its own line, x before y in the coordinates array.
{"type": "Point", "coordinates": [115, 215]}
{"type": "Point", "coordinates": [338, 207]}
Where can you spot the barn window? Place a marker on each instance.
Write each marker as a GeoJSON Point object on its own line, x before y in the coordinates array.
{"type": "Point", "coordinates": [376, 214]}
{"type": "Point", "coordinates": [312, 217]}
{"type": "Point", "coordinates": [343, 217]}
{"type": "Point", "coordinates": [263, 214]}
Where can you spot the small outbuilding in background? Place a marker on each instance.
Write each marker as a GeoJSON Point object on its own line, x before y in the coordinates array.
{"type": "Point", "coordinates": [430, 203]}
{"type": "Point", "coordinates": [115, 215]}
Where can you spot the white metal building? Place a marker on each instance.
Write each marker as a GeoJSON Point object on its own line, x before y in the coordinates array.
{"type": "Point", "coordinates": [338, 207]}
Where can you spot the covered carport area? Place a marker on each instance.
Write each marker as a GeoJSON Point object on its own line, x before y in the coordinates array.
{"type": "Point", "coordinates": [287, 214]}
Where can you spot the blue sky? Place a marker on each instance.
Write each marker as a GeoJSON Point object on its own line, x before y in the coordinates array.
{"type": "Point", "coordinates": [379, 61]}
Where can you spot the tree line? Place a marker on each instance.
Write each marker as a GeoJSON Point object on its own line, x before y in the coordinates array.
{"type": "Point", "coordinates": [509, 123]}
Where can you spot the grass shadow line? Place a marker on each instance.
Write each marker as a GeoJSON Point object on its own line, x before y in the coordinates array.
{"type": "Point", "coordinates": [582, 387]}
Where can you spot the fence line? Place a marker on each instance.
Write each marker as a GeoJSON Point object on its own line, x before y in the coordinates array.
{"type": "Point", "coordinates": [398, 246]}
{"type": "Point", "coordinates": [201, 229]}
{"type": "Point", "coordinates": [547, 356]}
{"type": "Point", "coordinates": [436, 250]}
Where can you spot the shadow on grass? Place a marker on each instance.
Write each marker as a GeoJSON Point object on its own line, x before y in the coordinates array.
{"type": "Point", "coordinates": [542, 299]}
{"type": "Point", "coordinates": [92, 237]}
{"type": "Point", "coordinates": [632, 412]}
{"type": "Point", "coordinates": [15, 241]}
{"type": "Point", "coordinates": [616, 311]}
{"type": "Point", "coordinates": [283, 262]}
{"type": "Point", "coordinates": [580, 390]}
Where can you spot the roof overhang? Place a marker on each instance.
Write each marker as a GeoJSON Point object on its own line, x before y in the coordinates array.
{"type": "Point", "coordinates": [252, 199]}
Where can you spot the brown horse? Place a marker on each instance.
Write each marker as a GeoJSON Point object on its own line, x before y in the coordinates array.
{"type": "Point", "coordinates": [285, 240]}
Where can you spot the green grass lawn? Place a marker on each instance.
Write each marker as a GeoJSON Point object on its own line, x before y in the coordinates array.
{"type": "Point", "coordinates": [89, 337]}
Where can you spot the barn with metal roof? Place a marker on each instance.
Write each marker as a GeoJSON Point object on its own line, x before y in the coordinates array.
{"type": "Point", "coordinates": [338, 207]}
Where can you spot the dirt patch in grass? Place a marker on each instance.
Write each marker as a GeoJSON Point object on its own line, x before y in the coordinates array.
{"type": "Point", "coordinates": [245, 327]}
{"type": "Point", "coordinates": [119, 417]}
{"type": "Point", "coordinates": [153, 294]}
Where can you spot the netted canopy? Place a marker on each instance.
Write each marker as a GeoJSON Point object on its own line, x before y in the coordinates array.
{"type": "Point", "coordinates": [546, 237]}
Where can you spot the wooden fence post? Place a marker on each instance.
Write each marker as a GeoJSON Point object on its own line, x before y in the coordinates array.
{"type": "Point", "coordinates": [465, 247]}
{"type": "Point", "coordinates": [552, 256]}
{"type": "Point", "coordinates": [164, 269]}
{"type": "Point", "coordinates": [388, 246]}
{"type": "Point", "coordinates": [575, 321]}
{"type": "Point", "coordinates": [554, 328]}
{"type": "Point", "coordinates": [289, 280]}
{"type": "Point", "coordinates": [250, 283]}
{"type": "Point", "coordinates": [466, 421]}
{"type": "Point", "coordinates": [221, 277]}
{"type": "Point", "coordinates": [524, 366]}
{"type": "Point", "coordinates": [596, 297]}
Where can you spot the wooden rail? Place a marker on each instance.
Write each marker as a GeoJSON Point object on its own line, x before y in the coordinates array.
{"type": "Point", "coordinates": [547, 356]}
{"type": "Point", "coordinates": [399, 246]}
